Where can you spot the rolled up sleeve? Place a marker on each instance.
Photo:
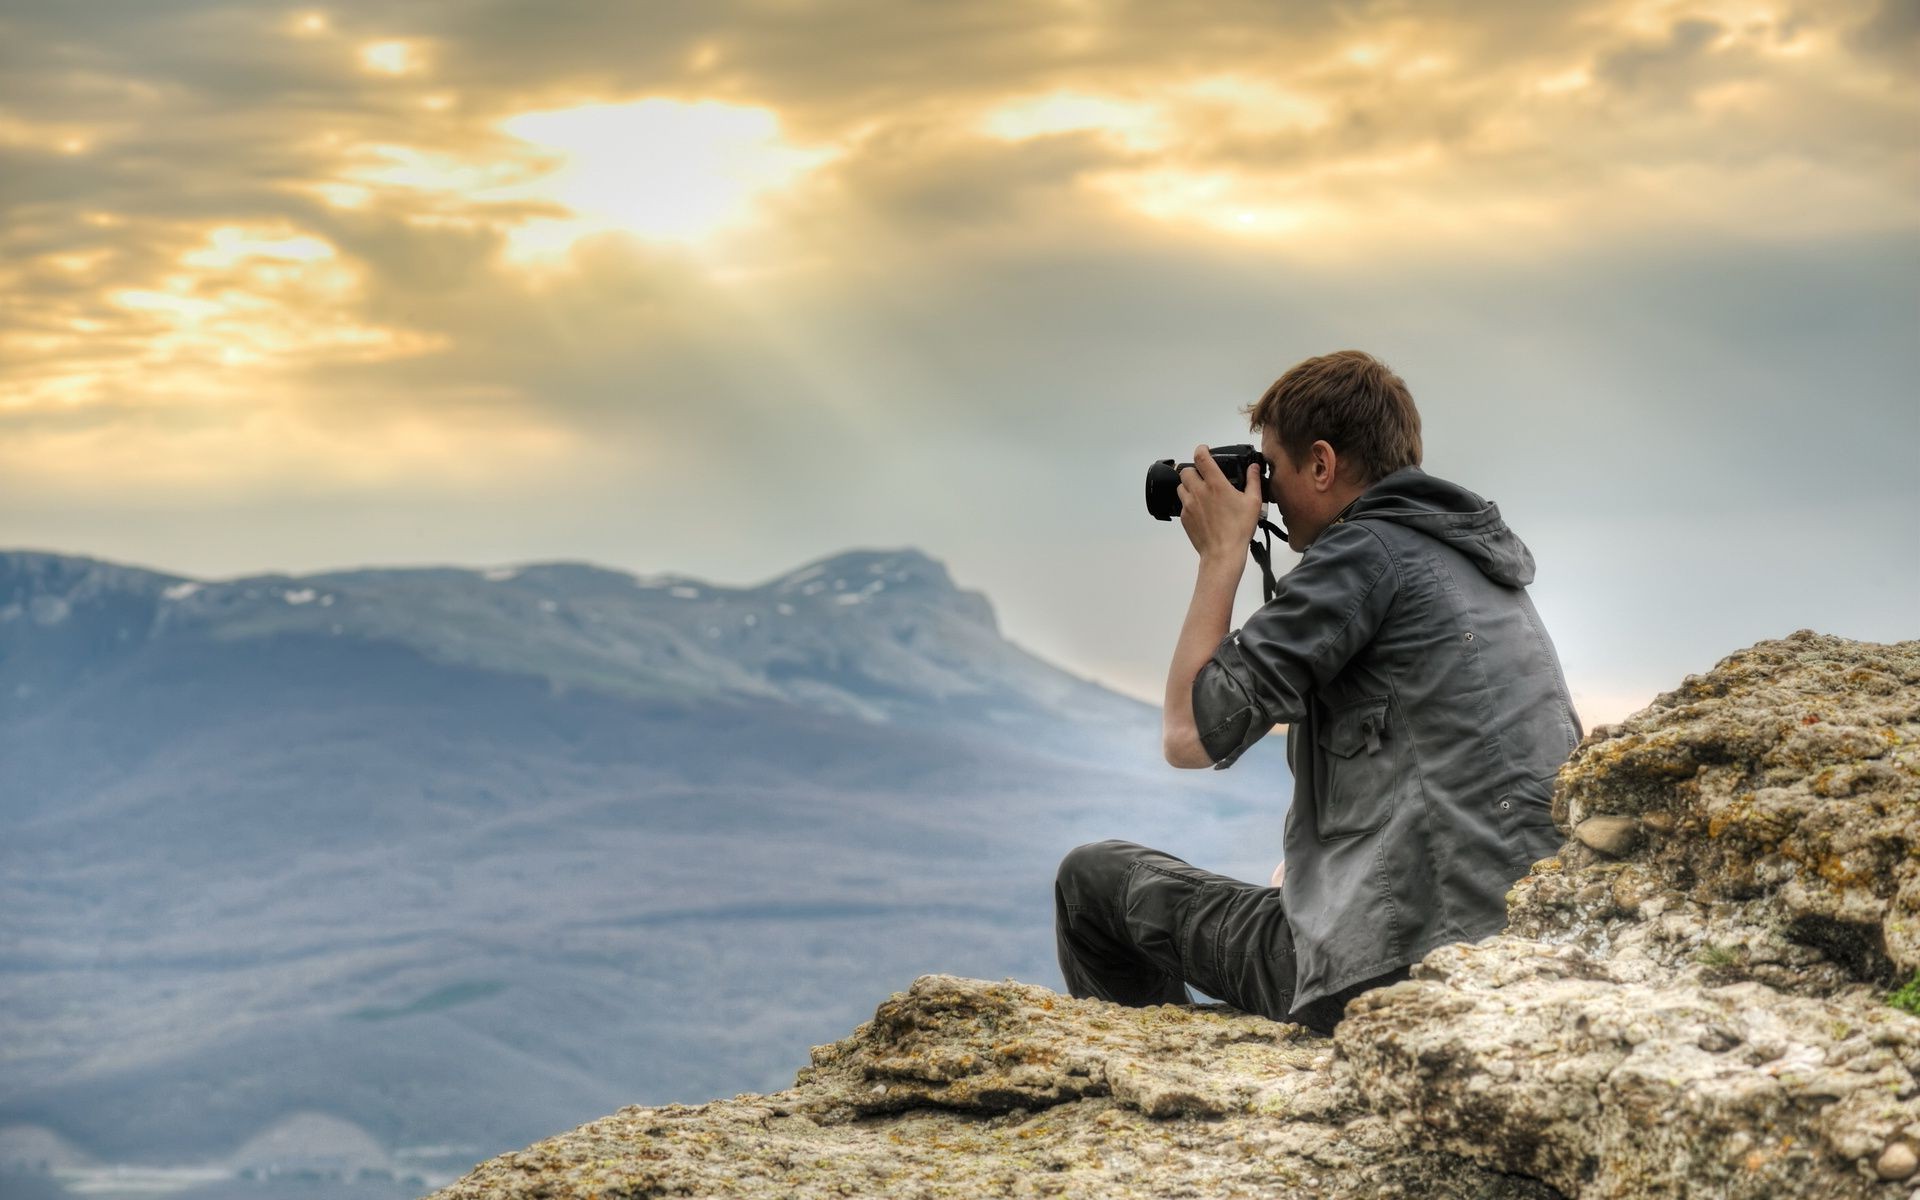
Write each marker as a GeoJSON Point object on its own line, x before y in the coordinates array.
{"type": "Point", "coordinates": [1224, 711]}
{"type": "Point", "coordinates": [1327, 608]}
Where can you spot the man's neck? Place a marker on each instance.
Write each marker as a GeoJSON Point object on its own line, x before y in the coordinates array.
{"type": "Point", "coordinates": [1344, 498]}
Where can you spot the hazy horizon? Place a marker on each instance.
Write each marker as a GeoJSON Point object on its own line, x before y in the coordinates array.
{"type": "Point", "coordinates": [1593, 709]}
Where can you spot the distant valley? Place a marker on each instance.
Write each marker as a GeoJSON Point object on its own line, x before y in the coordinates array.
{"type": "Point", "coordinates": [375, 873]}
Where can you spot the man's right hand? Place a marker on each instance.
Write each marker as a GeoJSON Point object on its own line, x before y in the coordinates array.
{"type": "Point", "coordinates": [1220, 515]}
{"type": "Point", "coordinates": [1279, 874]}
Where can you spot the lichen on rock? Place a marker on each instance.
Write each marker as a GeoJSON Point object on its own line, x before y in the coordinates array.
{"type": "Point", "coordinates": [1690, 999]}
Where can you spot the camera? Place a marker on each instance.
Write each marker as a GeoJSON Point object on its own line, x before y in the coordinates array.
{"type": "Point", "coordinates": [1163, 477]}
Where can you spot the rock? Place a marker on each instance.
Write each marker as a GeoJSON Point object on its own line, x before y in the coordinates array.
{"type": "Point", "coordinates": [1616, 836]}
{"type": "Point", "coordinates": [1632, 1088]}
{"type": "Point", "coordinates": [997, 1089]}
{"type": "Point", "coordinates": [1896, 1162]}
{"type": "Point", "coordinates": [1689, 999]}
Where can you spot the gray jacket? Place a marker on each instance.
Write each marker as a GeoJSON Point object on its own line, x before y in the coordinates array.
{"type": "Point", "coordinates": [1427, 717]}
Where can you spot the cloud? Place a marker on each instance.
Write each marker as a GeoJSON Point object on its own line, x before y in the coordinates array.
{"type": "Point", "coordinates": [1891, 32]}
{"type": "Point", "coordinates": [1677, 54]}
{"type": "Point", "coordinates": [294, 268]}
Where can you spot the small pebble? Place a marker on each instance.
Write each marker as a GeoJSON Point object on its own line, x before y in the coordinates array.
{"type": "Point", "coordinates": [1897, 1161]}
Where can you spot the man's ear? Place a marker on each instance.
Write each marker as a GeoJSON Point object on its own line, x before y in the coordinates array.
{"type": "Point", "coordinates": [1326, 464]}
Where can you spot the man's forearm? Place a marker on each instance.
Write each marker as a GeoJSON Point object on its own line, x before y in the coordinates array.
{"type": "Point", "coordinates": [1209, 616]}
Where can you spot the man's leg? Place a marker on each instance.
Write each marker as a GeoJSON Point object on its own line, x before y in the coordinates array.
{"type": "Point", "coordinates": [1099, 954]}
{"type": "Point", "coordinates": [1134, 925]}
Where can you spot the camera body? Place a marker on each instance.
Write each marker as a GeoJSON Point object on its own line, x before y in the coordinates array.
{"type": "Point", "coordinates": [1163, 477]}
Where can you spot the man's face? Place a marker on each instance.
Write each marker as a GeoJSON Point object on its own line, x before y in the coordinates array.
{"type": "Point", "coordinates": [1290, 490]}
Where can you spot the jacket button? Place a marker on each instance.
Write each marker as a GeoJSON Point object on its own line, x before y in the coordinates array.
{"type": "Point", "coordinates": [1469, 635]}
{"type": "Point", "coordinates": [1503, 804]}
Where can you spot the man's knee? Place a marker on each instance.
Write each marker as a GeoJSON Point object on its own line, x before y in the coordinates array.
{"type": "Point", "coordinates": [1087, 867]}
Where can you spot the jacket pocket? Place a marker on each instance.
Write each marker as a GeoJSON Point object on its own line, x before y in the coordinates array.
{"type": "Point", "coordinates": [1525, 819]}
{"type": "Point", "coordinates": [1363, 768]}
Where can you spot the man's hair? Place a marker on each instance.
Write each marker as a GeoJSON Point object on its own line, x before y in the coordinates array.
{"type": "Point", "coordinates": [1351, 400]}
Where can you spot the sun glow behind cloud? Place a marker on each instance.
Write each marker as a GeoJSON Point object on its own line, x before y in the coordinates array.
{"type": "Point", "coordinates": [247, 316]}
{"type": "Point", "coordinates": [661, 169]}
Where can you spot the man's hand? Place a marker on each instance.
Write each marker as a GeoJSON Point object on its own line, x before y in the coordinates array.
{"type": "Point", "coordinates": [1218, 514]}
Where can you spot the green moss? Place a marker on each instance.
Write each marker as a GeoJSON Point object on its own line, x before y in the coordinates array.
{"type": "Point", "coordinates": [1717, 956]}
{"type": "Point", "coordinates": [1908, 996]}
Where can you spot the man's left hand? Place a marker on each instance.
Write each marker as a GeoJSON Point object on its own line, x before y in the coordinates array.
{"type": "Point", "coordinates": [1218, 515]}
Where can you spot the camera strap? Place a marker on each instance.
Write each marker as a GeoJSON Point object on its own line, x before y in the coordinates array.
{"type": "Point", "coordinates": [1269, 586]}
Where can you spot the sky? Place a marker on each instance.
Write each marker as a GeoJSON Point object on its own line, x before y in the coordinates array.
{"type": "Point", "coordinates": [722, 287]}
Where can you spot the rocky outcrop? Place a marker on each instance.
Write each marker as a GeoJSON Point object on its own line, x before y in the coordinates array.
{"type": "Point", "coordinates": [1690, 999]}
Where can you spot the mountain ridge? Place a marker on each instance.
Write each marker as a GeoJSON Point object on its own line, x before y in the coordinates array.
{"type": "Point", "coordinates": [920, 647]}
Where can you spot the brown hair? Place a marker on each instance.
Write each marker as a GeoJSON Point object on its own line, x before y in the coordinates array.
{"type": "Point", "coordinates": [1351, 400]}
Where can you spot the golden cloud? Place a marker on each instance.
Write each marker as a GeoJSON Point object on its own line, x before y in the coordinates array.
{"type": "Point", "coordinates": [323, 193]}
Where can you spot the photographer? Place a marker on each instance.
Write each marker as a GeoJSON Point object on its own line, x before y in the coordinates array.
{"type": "Point", "coordinates": [1425, 709]}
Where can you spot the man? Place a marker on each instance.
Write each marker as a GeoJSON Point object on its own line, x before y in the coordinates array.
{"type": "Point", "coordinates": [1425, 709]}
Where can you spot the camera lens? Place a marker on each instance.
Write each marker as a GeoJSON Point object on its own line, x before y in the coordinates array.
{"type": "Point", "coordinates": [1163, 490]}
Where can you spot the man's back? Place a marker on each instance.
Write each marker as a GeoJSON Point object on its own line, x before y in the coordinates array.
{"type": "Point", "coordinates": [1427, 718]}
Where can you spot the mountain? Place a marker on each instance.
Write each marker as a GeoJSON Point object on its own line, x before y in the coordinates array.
{"type": "Point", "coordinates": [877, 635]}
{"type": "Point", "coordinates": [456, 858]}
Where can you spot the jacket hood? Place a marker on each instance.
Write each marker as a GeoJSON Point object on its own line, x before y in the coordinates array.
{"type": "Point", "coordinates": [1458, 517]}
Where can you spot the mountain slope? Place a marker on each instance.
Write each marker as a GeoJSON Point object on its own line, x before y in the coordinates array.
{"type": "Point", "coordinates": [877, 635]}
{"type": "Point", "coordinates": [367, 843]}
